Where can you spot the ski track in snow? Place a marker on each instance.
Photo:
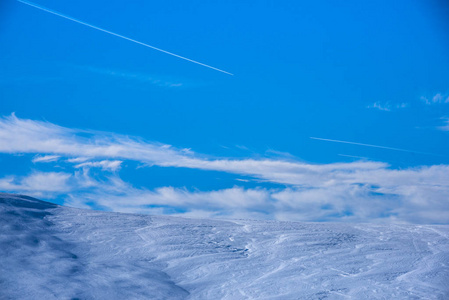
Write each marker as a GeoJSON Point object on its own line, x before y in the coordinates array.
{"type": "Point", "coordinates": [53, 252]}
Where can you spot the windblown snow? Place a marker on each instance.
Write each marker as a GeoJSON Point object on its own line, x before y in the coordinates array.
{"type": "Point", "coordinates": [54, 252]}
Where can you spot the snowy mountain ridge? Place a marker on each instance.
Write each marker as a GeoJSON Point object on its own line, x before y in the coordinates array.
{"type": "Point", "coordinates": [54, 252]}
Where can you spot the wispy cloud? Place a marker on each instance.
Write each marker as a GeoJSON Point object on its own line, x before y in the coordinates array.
{"type": "Point", "coordinates": [111, 165]}
{"type": "Point", "coordinates": [242, 147]}
{"type": "Point", "coordinates": [353, 156]}
{"type": "Point", "coordinates": [416, 196]}
{"type": "Point", "coordinates": [45, 158]}
{"type": "Point", "coordinates": [379, 106]}
{"type": "Point", "coordinates": [386, 106]}
{"type": "Point", "coordinates": [77, 159]}
{"type": "Point", "coordinates": [145, 78]}
{"type": "Point", "coordinates": [27, 136]}
{"type": "Point", "coordinates": [438, 98]}
{"type": "Point", "coordinates": [445, 127]}
{"type": "Point", "coordinates": [354, 191]}
{"type": "Point", "coordinates": [38, 183]}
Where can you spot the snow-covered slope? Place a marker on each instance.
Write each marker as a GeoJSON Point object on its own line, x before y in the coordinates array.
{"type": "Point", "coordinates": [52, 252]}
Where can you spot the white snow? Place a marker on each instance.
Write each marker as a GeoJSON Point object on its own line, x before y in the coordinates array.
{"type": "Point", "coordinates": [53, 252]}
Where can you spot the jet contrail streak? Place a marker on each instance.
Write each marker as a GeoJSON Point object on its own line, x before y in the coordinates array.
{"type": "Point", "coordinates": [374, 146]}
{"type": "Point", "coordinates": [118, 35]}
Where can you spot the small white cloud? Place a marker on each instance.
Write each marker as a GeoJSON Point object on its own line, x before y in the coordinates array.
{"type": "Point", "coordinates": [386, 106]}
{"type": "Point", "coordinates": [242, 180]}
{"type": "Point", "coordinates": [77, 159]}
{"type": "Point", "coordinates": [45, 158]}
{"type": "Point", "coordinates": [438, 98]}
{"type": "Point", "coordinates": [109, 165]}
{"type": "Point", "coordinates": [380, 106]}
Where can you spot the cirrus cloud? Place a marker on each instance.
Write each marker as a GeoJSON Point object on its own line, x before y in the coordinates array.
{"type": "Point", "coordinates": [357, 191]}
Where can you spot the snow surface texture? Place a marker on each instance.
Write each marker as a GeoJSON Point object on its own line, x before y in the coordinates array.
{"type": "Point", "coordinates": [53, 252]}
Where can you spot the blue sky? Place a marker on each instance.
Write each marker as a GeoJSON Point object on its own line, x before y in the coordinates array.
{"type": "Point", "coordinates": [370, 73]}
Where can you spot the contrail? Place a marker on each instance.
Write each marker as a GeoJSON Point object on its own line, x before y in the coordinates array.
{"type": "Point", "coordinates": [118, 35]}
{"type": "Point", "coordinates": [375, 146]}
